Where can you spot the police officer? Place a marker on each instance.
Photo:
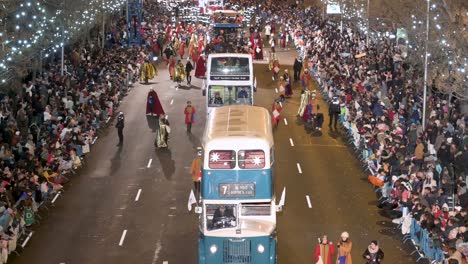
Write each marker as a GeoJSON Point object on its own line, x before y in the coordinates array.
{"type": "Point", "coordinates": [334, 111]}
{"type": "Point", "coordinates": [120, 126]}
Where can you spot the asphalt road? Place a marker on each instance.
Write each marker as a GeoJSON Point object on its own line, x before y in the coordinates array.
{"type": "Point", "coordinates": [128, 205]}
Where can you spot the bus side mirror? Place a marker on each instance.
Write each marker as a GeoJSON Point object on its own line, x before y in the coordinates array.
{"type": "Point", "coordinates": [198, 210]}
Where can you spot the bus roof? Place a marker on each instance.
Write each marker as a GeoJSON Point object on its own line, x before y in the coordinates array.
{"type": "Point", "coordinates": [238, 121]}
{"type": "Point", "coordinates": [224, 55]}
{"type": "Point", "coordinates": [225, 12]}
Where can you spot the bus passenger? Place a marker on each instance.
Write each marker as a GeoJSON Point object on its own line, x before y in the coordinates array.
{"type": "Point", "coordinates": [218, 100]}
{"type": "Point", "coordinates": [242, 93]}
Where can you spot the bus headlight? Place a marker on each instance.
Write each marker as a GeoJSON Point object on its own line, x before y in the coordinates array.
{"type": "Point", "coordinates": [213, 249]}
{"type": "Point", "coordinates": [261, 248]}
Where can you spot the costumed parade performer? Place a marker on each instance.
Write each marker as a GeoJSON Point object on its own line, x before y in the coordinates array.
{"type": "Point", "coordinates": [179, 73]}
{"type": "Point", "coordinates": [200, 68]}
{"type": "Point", "coordinates": [162, 135]}
{"type": "Point", "coordinates": [148, 72]}
{"type": "Point", "coordinates": [153, 105]}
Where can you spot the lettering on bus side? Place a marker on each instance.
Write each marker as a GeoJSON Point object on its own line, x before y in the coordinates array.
{"type": "Point", "coordinates": [237, 190]}
{"type": "Point", "coordinates": [230, 78]}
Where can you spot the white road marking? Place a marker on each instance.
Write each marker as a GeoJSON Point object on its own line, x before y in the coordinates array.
{"type": "Point", "coordinates": [156, 252]}
{"type": "Point", "coordinates": [299, 168]}
{"type": "Point", "coordinates": [285, 121]}
{"type": "Point", "coordinates": [149, 163]}
{"type": "Point", "coordinates": [308, 201]}
{"type": "Point", "coordinates": [276, 90]}
{"type": "Point", "coordinates": [173, 208]}
{"type": "Point", "coordinates": [291, 141]}
{"type": "Point", "coordinates": [165, 262]}
{"type": "Point", "coordinates": [27, 239]}
{"type": "Point", "coordinates": [55, 197]}
{"type": "Point", "coordinates": [167, 116]}
{"type": "Point", "coordinates": [172, 101]}
{"type": "Point", "coordinates": [281, 104]}
{"type": "Point", "coordinates": [122, 238]}
{"type": "Point", "coordinates": [171, 215]}
{"type": "Point", "coordinates": [138, 195]}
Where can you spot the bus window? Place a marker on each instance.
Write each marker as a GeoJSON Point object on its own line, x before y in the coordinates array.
{"type": "Point", "coordinates": [229, 95]}
{"type": "Point", "coordinates": [251, 159]}
{"type": "Point", "coordinates": [255, 209]}
{"type": "Point", "coordinates": [222, 159]}
{"type": "Point", "coordinates": [220, 216]}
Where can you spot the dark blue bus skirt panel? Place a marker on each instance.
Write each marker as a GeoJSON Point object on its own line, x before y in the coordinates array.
{"type": "Point", "coordinates": [237, 250]}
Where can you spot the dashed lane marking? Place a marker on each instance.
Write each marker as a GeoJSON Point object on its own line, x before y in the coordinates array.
{"type": "Point", "coordinates": [291, 141]}
{"type": "Point", "coordinates": [55, 197]}
{"type": "Point", "coordinates": [138, 195]}
{"type": "Point", "coordinates": [165, 262]}
{"type": "Point", "coordinates": [122, 238]}
{"type": "Point", "coordinates": [281, 104]}
{"type": "Point", "coordinates": [27, 239]}
{"type": "Point", "coordinates": [299, 168]}
{"type": "Point", "coordinates": [285, 121]}
{"type": "Point", "coordinates": [149, 163]}
{"type": "Point", "coordinates": [276, 90]}
{"type": "Point", "coordinates": [172, 101]}
{"type": "Point", "coordinates": [308, 201]}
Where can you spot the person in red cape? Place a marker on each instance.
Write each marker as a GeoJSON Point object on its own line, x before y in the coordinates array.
{"type": "Point", "coordinates": [324, 250]}
{"type": "Point", "coordinates": [200, 69]}
{"type": "Point", "coordinates": [153, 105]}
{"type": "Point", "coordinates": [276, 113]}
{"type": "Point", "coordinates": [258, 50]}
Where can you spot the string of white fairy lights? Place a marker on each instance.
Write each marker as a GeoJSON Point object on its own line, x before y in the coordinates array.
{"type": "Point", "coordinates": [35, 26]}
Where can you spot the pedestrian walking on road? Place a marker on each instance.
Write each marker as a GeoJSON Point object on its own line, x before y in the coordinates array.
{"type": "Point", "coordinates": [373, 254]}
{"type": "Point", "coordinates": [344, 249]}
{"type": "Point", "coordinates": [324, 251]}
{"type": "Point", "coordinates": [120, 126]}
{"type": "Point", "coordinates": [188, 70]}
{"type": "Point", "coordinates": [334, 111]}
{"type": "Point", "coordinates": [189, 112]}
{"type": "Point", "coordinates": [297, 69]}
{"type": "Point", "coordinates": [196, 170]}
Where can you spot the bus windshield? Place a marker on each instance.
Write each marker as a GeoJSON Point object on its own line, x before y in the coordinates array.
{"type": "Point", "coordinates": [219, 95]}
{"type": "Point", "coordinates": [220, 216]}
{"type": "Point", "coordinates": [223, 66]}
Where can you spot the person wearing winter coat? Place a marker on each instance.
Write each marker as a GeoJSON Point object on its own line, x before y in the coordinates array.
{"type": "Point", "coordinates": [373, 254]}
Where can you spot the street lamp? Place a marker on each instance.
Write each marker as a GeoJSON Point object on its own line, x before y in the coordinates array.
{"type": "Point", "coordinates": [425, 63]}
{"type": "Point", "coordinates": [368, 24]}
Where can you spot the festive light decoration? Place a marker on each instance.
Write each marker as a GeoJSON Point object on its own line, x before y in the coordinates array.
{"type": "Point", "coordinates": [36, 27]}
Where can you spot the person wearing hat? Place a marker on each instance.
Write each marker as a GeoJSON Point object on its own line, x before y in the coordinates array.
{"type": "Point", "coordinates": [324, 251]}
{"type": "Point", "coordinates": [120, 126]}
{"type": "Point", "coordinates": [189, 112]}
{"type": "Point", "coordinates": [344, 249]}
{"type": "Point", "coordinates": [196, 170]}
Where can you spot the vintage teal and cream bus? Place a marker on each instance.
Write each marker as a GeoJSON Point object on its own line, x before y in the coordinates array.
{"type": "Point", "coordinates": [237, 205]}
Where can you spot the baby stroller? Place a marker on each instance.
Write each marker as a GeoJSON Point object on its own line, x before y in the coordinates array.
{"type": "Point", "coordinates": [314, 124]}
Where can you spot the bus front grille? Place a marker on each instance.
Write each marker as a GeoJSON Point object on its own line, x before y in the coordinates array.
{"type": "Point", "coordinates": [236, 251]}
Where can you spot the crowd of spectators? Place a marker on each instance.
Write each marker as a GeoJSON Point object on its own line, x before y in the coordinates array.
{"type": "Point", "coordinates": [421, 170]}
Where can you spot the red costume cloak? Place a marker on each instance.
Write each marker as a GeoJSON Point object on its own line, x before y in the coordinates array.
{"type": "Point", "coordinates": [153, 105]}
{"type": "Point", "coordinates": [200, 69]}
